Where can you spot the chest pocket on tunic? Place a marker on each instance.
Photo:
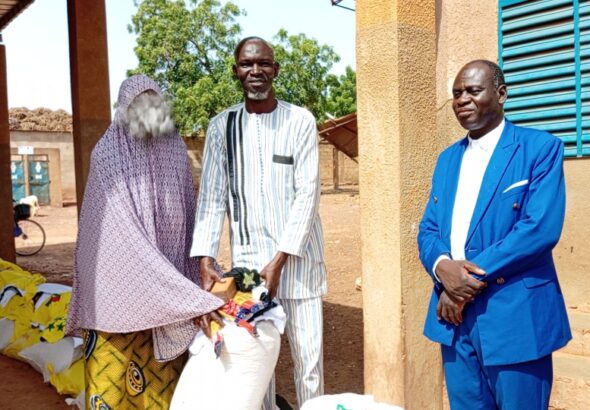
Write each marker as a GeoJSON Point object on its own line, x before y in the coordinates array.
{"type": "Point", "coordinates": [283, 180]}
{"type": "Point", "coordinates": [282, 159]}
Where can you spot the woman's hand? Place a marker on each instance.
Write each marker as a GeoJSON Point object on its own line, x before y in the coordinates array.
{"type": "Point", "coordinates": [209, 274]}
{"type": "Point", "coordinates": [204, 322]}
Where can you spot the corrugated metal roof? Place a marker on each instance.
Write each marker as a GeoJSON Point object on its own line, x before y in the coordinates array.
{"type": "Point", "coordinates": [342, 133]}
{"type": "Point", "coordinates": [9, 9]}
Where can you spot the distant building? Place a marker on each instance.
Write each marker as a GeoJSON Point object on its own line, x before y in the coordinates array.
{"type": "Point", "coordinates": [42, 155]}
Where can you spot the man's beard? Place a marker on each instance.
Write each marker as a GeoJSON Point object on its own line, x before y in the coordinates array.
{"type": "Point", "coordinates": [258, 96]}
{"type": "Point", "coordinates": [148, 115]}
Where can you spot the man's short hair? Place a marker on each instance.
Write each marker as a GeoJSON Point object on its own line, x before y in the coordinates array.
{"type": "Point", "coordinates": [497, 73]}
{"type": "Point", "coordinates": [245, 40]}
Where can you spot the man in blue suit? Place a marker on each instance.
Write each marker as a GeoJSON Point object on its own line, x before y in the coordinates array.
{"type": "Point", "coordinates": [494, 214]}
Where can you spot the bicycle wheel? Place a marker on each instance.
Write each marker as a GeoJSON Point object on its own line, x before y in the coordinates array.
{"type": "Point", "coordinates": [31, 240]}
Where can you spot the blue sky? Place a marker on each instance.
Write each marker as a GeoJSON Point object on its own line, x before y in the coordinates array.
{"type": "Point", "coordinates": [37, 42]}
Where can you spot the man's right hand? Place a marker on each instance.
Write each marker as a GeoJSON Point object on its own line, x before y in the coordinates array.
{"type": "Point", "coordinates": [457, 281]}
{"type": "Point", "coordinates": [209, 274]}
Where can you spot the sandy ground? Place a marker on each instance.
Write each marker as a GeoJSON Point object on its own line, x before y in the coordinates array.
{"type": "Point", "coordinates": [23, 388]}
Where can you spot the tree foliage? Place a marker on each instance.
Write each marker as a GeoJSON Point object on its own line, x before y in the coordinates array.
{"type": "Point", "coordinates": [341, 93]}
{"type": "Point", "coordinates": [303, 76]}
{"type": "Point", "coordinates": [187, 47]}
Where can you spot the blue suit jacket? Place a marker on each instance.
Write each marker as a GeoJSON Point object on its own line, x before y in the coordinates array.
{"type": "Point", "coordinates": [521, 315]}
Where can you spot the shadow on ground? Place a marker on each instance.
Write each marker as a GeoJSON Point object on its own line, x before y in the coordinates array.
{"type": "Point", "coordinates": [55, 262]}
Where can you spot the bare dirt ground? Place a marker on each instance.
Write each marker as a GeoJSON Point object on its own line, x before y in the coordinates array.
{"type": "Point", "coordinates": [22, 387]}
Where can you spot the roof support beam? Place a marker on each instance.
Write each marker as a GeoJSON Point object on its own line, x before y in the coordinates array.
{"type": "Point", "coordinates": [91, 106]}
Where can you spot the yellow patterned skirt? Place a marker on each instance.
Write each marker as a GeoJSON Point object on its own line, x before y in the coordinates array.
{"type": "Point", "coordinates": [122, 373]}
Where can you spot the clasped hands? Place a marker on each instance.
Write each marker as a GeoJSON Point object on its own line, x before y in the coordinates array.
{"type": "Point", "coordinates": [459, 288]}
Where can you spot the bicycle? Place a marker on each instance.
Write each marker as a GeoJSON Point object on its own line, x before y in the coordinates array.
{"type": "Point", "coordinates": [29, 235]}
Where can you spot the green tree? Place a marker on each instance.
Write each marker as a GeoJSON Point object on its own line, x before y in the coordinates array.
{"type": "Point", "coordinates": [187, 47]}
{"type": "Point", "coordinates": [341, 93]}
{"type": "Point", "coordinates": [303, 77]}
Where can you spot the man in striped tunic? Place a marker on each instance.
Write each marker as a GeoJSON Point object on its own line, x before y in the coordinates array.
{"type": "Point", "coordinates": [261, 167]}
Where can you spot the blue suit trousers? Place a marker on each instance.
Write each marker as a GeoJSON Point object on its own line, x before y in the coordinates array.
{"type": "Point", "coordinates": [472, 385]}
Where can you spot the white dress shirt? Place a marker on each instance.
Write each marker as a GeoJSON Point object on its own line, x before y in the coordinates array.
{"type": "Point", "coordinates": [473, 167]}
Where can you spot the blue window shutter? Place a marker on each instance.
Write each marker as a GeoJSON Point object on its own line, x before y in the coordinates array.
{"type": "Point", "coordinates": [544, 50]}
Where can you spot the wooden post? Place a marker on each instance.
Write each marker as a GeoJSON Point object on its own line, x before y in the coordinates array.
{"type": "Point", "coordinates": [335, 169]}
{"type": "Point", "coordinates": [6, 210]}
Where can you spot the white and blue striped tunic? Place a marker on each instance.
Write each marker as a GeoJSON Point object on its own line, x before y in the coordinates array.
{"type": "Point", "coordinates": [262, 170]}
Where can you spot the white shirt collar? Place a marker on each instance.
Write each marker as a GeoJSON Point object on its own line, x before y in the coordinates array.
{"type": "Point", "coordinates": [489, 141]}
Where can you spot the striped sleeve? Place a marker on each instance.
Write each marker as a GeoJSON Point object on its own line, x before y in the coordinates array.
{"type": "Point", "coordinates": [211, 205]}
{"type": "Point", "coordinates": [307, 191]}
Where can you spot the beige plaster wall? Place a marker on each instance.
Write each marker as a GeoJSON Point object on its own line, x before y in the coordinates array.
{"type": "Point", "coordinates": [62, 141]}
{"type": "Point", "coordinates": [572, 254]}
{"type": "Point", "coordinates": [464, 34]}
{"type": "Point", "coordinates": [396, 88]}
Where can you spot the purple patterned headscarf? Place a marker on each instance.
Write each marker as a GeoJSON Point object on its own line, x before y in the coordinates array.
{"type": "Point", "coordinates": [132, 268]}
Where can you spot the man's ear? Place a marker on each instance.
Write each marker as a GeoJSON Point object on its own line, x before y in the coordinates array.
{"type": "Point", "coordinates": [277, 68]}
{"type": "Point", "coordinates": [502, 93]}
{"type": "Point", "coordinates": [234, 69]}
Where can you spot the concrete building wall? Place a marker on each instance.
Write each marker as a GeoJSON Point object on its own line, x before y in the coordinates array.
{"type": "Point", "coordinates": [463, 34]}
{"type": "Point", "coordinates": [195, 148]}
{"type": "Point", "coordinates": [53, 157]}
{"type": "Point", "coordinates": [396, 89]}
{"type": "Point", "coordinates": [348, 170]}
{"type": "Point", "coordinates": [46, 140]}
{"type": "Point", "coordinates": [572, 254]}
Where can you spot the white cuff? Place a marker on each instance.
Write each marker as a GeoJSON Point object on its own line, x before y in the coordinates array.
{"type": "Point", "coordinates": [440, 258]}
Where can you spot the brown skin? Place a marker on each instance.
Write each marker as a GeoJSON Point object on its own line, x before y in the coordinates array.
{"type": "Point", "coordinates": [456, 278]}
{"type": "Point", "coordinates": [449, 309]}
{"type": "Point", "coordinates": [477, 103]}
{"type": "Point", "coordinates": [479, 108]}
{"type": "Point", "coordinates": [272, 272]}
{"type": "Point", "coordinates": [204, 322]}
{"type": "Point", "coordinates": [209, 276]}
{"type": "Point", "coordinates": [256, 70]}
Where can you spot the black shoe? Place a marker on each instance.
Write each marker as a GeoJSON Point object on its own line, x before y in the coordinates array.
{"type": "Point", "coordinates": [282, 403]}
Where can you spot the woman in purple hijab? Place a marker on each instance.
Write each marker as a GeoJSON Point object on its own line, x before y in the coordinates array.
{"type": "Point", "coordinates": [136, 292]}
